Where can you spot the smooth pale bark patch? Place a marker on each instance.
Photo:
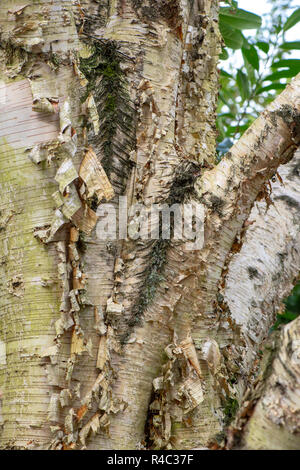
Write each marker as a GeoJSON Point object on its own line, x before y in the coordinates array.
{"type": "Point", "coordinates": [20, 125]}
{"type": "Point", "coordinates": [265, 267]}
{"type": "Point", "coordinates": [275, 422]}
{"type": "Point", "coordinates": [29, 307]}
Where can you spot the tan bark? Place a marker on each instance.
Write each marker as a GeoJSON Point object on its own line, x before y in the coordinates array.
{"type": "Point", "coordinates": [265, 269]}
{"type": "Point", "coordinates": [120, 337]}
{"type": "Point", "coordinates": [228, 191]}
{"type": "Point", "coordinates": [274, 424]}
{"type": "Point", "coordinates": [37, 104]}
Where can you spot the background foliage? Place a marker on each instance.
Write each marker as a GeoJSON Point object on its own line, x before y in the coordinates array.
{"type": "Point", "coordinates": [265, 69]}
{"type": "Point", "coordinates": [266, 65]}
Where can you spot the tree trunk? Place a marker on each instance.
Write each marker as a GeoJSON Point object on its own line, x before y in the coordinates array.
{"type": "Point", "coordinates": [129, 342]}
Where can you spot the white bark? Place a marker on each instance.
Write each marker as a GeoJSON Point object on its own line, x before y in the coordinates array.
{"type": "Point", "coordinates": [268, 263]}
{"type": "Point", "coordinates": [82, 340]}
{"type": "Point", "coordinates": [275, 423]}
{"type": "Point", "coordinates": [259, 276]}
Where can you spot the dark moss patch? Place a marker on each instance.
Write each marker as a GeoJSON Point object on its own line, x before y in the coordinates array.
{"type": "Point", "coordinates": [153, 277]}
{"type": "Point", "coordinates": [107, 82]}
{"type": "Point", "coordinates": [183, 183]}
{"type": "Point", "coordinates": [182, 188]}
{"type": "Point", "coordinates": [230, 409]}
{"type": "Point", "coordinates": [216, 204]}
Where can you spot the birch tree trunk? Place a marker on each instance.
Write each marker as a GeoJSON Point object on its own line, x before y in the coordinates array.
{"type": "Point", "coordinates": [139, 343]}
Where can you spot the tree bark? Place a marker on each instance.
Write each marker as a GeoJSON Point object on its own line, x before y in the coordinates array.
{"type": "Point", "coordinates": [265, 269]}
{"type": "Point", "coordinates": [125, 344]}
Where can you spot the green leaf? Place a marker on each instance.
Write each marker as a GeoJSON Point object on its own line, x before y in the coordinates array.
{"type": "Point", "coordinates": [246, 44]}
{"type": "Point", "coordinates": [288, 46]}
{"type": "Point", "coordinates": [224, 54]}
{"type": "Point", "coordinates": [223, 98]}
{"type": "Point", "coordinates": [287, 73]}
{"type": "Point", "coordinates": [289, 315]}
{"type": "Point", "coordinates": [239, 19]}
{"type": "Point", "coordinates": [293, 64]}
{"type": "Point", "coordinates": [230, 115]}
{"type": "Point", "coordinates": [233, 129]}
{"type": "Point", "coordinates": [251, 56]}
{"type": "Point", "coordinates": [273, 86]}
{"type": "Point", "coordinates": [232, 37]}
{"type": "Point", "coordinates": [243, 84]}
{"type": "Point", "coordinates": [292, 20]}
{"type": "Point", "coordinates": [263, 46]}
{"type": "Point", "coordinates": [225, 74]}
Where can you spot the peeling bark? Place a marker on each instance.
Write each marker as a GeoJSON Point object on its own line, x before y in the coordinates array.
{"type": "Point", "coordinates": [275, 421]}
{"type": "Point", "coordinates": [265, 268]}
{"type": "Point", "coordinates": [129, 343]}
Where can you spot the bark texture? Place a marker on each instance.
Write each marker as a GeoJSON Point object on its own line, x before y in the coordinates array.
{"type": "Point", "coordinates": [125, 344]}
{"type": "Point", "coordinates": [275, 421]}
{"type": "Point", "coordinates": [265, 268]}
